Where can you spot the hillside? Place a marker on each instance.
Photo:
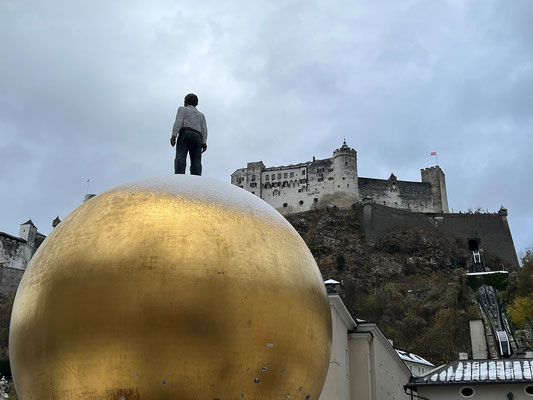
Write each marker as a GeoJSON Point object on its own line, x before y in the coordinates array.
{"type": "Point", "coordinates": [411, 283]}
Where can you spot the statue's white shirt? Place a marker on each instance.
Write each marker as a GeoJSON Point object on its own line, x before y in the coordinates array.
{"type": "Point", "coordinates": [190, 117]}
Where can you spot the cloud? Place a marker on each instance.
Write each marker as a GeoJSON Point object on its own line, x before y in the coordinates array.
{"type": "Point", "coordinates": [91, 90]}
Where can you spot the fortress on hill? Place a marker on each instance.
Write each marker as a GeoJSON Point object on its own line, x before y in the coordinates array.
{"type": "Point", "coordinates": [334, 182]}
{"type": "Point", "coordinates": [383, 205]}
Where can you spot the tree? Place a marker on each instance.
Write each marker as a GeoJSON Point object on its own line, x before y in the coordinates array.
{"type": "Point", "coordinates": [521, 311]}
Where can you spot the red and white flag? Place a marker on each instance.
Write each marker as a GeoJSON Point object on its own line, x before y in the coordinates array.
{"type": "Point", "coordinates": [433, 153]}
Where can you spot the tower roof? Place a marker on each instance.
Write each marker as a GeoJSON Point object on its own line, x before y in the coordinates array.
{"type": "Point", "coordinates": [344, 149]}
{"type": "Point", "coordinates": [29, 222]}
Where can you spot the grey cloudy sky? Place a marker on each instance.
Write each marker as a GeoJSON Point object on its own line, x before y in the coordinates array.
{"type": "Point", "coordinates": [89, 89]}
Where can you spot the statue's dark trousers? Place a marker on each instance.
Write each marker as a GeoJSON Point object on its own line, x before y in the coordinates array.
{"type": "Point", "coordinates": [189, 141]}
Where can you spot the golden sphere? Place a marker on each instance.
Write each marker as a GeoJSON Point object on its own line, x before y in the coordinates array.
{"type": "Point", "coordinates": [180, 288]}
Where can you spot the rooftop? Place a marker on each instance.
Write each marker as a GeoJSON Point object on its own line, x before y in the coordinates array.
{"type": "Point", "coordinates": [412, 357]}
{"type": "Point", "coordinates": [477, 372]}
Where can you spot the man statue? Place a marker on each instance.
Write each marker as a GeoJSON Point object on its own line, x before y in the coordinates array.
{"type": "Point", "coordinates": [191, 130]}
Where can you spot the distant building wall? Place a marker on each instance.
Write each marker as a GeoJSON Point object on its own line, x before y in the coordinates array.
{"type": "Point", "coordinates": [9, 280]}
{"type": "Point", "coordinates": [481, 392]}
{"type": "Point", "coordinates": [334, 181]}
{"type": "Point", "coordinates": [337, 385]}
{"type": "Point", "coordinates": [478, 339]}
{"type": "Point", "coordinates": [490, 230]}
{"type": "Point", "coordinates": [379, 373]}
{"type": "Point", "coordinates": [413, 196]}
{"type": "Point", "coordinates": [15, 255]}
{"type": "Point", "coordinates": [14, 252]}
{"type": "Point", "coordinates": [363, 364]}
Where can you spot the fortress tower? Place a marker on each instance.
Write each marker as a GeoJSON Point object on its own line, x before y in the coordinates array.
{"type": "Point", "coordinates": [436, 178]}
{"type": "Point", "coordinates": [346, 187]}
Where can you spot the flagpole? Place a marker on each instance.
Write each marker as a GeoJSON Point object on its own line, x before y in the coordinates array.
{"type": "Point", "coordinates": [434, 153]}
{"type": "Point", "coordinates": [87, 186]}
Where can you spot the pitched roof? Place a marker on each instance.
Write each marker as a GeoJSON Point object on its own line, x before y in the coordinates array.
{"type": "Point", "coordinates": [478, 372]}
{"type": "Point", "coordinates": [412, 357]}
{"type": "Point", "coordinates": [30, 222]}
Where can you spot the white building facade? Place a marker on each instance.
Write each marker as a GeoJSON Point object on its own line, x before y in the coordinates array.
{"type": "Point", "coordinates": [335, 182]}
{"type": "Point", "coordinates": [363, 364]}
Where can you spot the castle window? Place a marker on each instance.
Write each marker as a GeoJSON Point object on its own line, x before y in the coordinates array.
{"type": "Point", "coordinates": [253, 184]}
{"type": "Point", "coordinates": [253, 192]}
{"type": "Point", "coordinates": [292, 174]}
{"type": "Point", "coordinates": [330, 178]}
{"type": "Point", "coordinates": [343, 178]}
{"type": "Point", "coordinates": [279, 176]}
{"type": "Point", "coordinates": [267, 177]}
{"type": "Point", "coordinates": [273, 176]}
{"type": "Point", "coordinates": [284, 205]}
{"type": "Point", "coordinates": [285, 175]}
{"type": "Point", "coordinates": [303, 180]}
{"type": "Point", "coordinates": [346, 163]}
{"type": "Point", "coordinates": [303, 171]}
{"type": "Point", "coordinates": [320, 179]}
{"type": "Point", "coordinates": [338, 186]}
{"type": "Point", "coordinates": [348, 185]}
{"type": "Point", "coordinates": [301, 202]}
{"type": "Point", "coordinates": [253, 178]}
{"type": "Point", "coordinates": [315, 200]}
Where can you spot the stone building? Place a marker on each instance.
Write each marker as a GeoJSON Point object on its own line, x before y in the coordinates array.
{"type": "Point", "coordinates": [335, 182]}
{"type": "Point", "coordinates": [16, 253]}
{"type": "Point", "coordinates": [363, 364]}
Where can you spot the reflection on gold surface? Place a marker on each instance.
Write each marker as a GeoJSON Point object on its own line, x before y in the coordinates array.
{"type": "Point", "coordinates": [177, 288]}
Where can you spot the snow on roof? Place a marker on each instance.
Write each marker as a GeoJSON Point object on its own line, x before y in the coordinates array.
{"type": "Point", "coordinates": [478, 372]}
{"type": "Point", "coordinates": [412, 357]}
{"type": "Point", "coordinates": [331, 282]}
{"type": "Point", "coordinates": [486, 273]}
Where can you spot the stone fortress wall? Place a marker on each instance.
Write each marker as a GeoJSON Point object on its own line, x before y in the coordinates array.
{"type": "Point", "coordinates": [319, 184]}
{"type": "Point", "coordinates": [490, 231]}
{"type": "Point", "coordinates": [15, 255]}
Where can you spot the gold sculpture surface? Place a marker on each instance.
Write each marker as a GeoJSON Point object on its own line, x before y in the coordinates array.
{"type": "Point", "coordinates": [172, 288]}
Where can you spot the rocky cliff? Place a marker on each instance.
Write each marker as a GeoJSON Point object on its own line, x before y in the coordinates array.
{"type": "Point", "coordinates": [411, 283]}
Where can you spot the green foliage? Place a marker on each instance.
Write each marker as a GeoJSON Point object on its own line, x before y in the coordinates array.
{"type": "Point", "coordinates": [521, 311]}
{"type": "Point", "coordinates": [13, 394]}
{"type": "Point", "coordinates": [425, 314]}
{"type": "Point", "coordinates": [341, 262]}
{"type": "Point", "coordinates": [6, 305]}
{"type": "Point", "coordinates": [498, 281]}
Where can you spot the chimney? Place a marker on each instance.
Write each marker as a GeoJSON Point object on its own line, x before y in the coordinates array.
{"type": "Point", "coordinates": [332, 286]}
{"type": "Point", "coordinates": [88, 197]}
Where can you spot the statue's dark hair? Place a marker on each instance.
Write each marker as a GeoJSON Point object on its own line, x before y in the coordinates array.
{"type": "Point", "coordinates": [191, 100]}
